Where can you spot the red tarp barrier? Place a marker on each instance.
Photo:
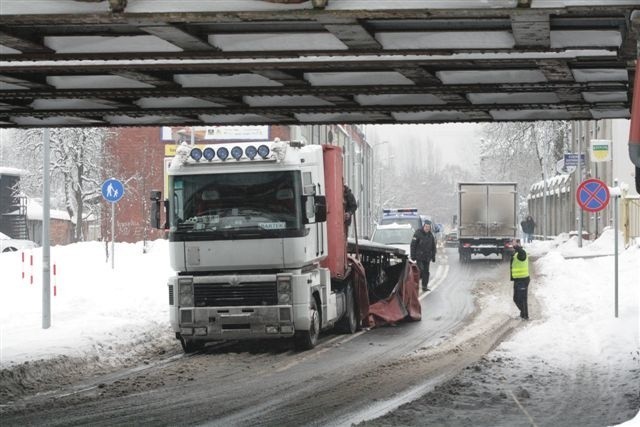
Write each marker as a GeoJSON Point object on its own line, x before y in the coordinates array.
{"type": "Point", "coordinates": [402, 304]}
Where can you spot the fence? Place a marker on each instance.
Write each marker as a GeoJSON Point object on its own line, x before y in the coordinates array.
{"type": "Point", "coordinates": [630, 217]}
{"type": "Point", "coordinates": [563, 212]}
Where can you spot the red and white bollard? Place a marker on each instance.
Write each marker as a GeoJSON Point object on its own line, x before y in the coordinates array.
{"type": "Point", "coordinates": [31, 269]}
{"type": "Point", "coordinates": [22, 265]}
{"type": "Point", "coordinates": [55, 281]}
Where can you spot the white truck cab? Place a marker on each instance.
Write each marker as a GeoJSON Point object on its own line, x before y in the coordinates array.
{"type": "Point", "coordinates": [248, 233]}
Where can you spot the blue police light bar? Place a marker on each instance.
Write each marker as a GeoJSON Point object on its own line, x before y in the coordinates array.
{"type": "Point", "coordinates": [400, 211]}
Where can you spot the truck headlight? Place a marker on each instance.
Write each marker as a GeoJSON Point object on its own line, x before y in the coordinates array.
{"type": "Point", "coordinates": [284, 290]}
{"type": "Point", "coordinates": [284, 299]}
{"type": "Point", "coordinates": [185, 287]}
{"type": "Point", "coordinates": [186, 300]}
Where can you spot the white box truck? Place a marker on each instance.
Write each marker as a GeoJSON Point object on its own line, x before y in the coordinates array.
{"type": "Point", "coordinates": [487, 218]}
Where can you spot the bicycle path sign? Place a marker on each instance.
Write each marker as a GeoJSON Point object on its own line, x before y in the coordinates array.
{"type": "Point", "coordinates": [593, 195]}
{"type": "Point", "coordinates": [112, 190]}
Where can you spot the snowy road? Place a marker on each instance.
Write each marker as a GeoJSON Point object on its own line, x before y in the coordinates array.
{"type": "Point", "coordinates": [345, 379]}
{"type": "Point", "coordinates": [469, 362]}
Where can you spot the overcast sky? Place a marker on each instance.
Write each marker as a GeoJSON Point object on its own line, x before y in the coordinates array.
{"type": "Point", "coordinates": [457, 143]}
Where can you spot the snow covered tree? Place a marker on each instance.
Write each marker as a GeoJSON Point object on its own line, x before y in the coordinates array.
{"type": "Point", "coordinates": [78, 167]}
{"type": "Point", "coordinates": [522, 151]}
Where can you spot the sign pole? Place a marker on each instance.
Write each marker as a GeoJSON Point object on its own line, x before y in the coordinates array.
{"type": "Point", "coordinates": [616, 225]}
{"type": "Point", "coordinates": [112, 191]}
{"type": "Point", "coordinates": [580, 177]}
{"type": "Point", "coordinates": [113, 231]}
{"type": "Point", "coordinates": [593, 196]}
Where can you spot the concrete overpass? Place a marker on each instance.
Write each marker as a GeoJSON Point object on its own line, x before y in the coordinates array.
{"type": "Point", "coordinates": [218, 62]}
{"type": "Point", "coordinates": [234, 62]}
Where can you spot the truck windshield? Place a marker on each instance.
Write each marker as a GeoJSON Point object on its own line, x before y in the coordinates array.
{"type": "Point", "coordinates": [266, 203]}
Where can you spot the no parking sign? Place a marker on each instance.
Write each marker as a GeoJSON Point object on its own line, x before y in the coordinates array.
{"type": "Point", "coordinates": [593, 195]}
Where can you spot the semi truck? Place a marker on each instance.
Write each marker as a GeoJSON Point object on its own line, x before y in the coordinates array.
{"type": "Point", "coordinates": [258, 241]}
{"type": "Point", "coordinates": [487, 218]}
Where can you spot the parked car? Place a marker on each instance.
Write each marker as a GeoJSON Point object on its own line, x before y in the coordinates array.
{"type": "Point", "coordinates": [7, 244]}
{"type": "Point", "coordinates": [396, 235]}
{"type": "Point", "coordinates": [451, 239]}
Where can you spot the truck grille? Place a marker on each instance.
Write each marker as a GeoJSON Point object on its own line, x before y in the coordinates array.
{"type": "Point", "coordinates": [224, 294]}
{"type": "Point", "coordinates": [170, 294]}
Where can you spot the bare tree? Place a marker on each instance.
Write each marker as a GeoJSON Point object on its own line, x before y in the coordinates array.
{"type": "Point", "coordinates": [78, 166]}
{"type": "Point", "coordinates": [513, 148]}
{"type": "Point", "coordinates": [522, 151]}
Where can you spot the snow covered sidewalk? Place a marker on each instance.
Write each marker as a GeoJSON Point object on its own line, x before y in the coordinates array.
{"type": "Point", "coordinates": [573, 364]}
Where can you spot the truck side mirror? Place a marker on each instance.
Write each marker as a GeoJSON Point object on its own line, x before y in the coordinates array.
{"type": "Point", "coordinates": [455, 220]}
{"type": "Point", "coordinates": [155, 208]}
{"type": "Point", "coordinates": [321, 208]}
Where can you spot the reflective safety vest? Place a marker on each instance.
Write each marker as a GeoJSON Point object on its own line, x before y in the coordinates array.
{"type": "Point", "coordinates": [520, 269]}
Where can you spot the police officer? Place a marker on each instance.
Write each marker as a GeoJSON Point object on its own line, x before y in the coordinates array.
{"type": "Point", "coordinates": [423, 251]}
{"type": "Point", "coordinates": [520, 277]}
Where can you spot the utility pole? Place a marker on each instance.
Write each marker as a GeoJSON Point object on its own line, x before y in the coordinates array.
{"type": "Point", "coordinates": [380, 174]}
{"type": "Point", "coordinates": [46, 254]}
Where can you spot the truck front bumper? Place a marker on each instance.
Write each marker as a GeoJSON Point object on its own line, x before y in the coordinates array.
{"type": "Point", "coordinates": [213, 323]}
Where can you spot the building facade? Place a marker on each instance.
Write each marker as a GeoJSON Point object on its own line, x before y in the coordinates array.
{"type": "Point", "coordinates": [560, 212]}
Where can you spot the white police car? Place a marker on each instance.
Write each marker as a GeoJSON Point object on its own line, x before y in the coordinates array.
{"type": "Point", "coordinates": [396, 235]}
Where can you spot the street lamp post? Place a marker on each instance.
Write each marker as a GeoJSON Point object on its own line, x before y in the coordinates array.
{"type": "Point", "coordinates": [380, 173]}
{"type": "Point", "coordinates": [545, 192]}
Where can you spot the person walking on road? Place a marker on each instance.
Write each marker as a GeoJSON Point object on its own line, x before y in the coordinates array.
{"type": "Point", "coordinates": [423, 251]}
{"type": "Point", "coordinates": [528, 227]}
{"type": "Point", "coordinates": [520, 276]}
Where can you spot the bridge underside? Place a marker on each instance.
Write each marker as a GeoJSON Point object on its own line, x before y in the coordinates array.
{"type": "Point", "coordinates": [152, 62]}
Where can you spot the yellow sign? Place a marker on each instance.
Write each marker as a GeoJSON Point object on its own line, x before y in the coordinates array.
{"type": "Point", "coordinates": [600, 150]}
{"type": "Point", "coordinates": [170, 149]}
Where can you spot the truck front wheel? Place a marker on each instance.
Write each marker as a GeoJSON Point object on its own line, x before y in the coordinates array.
{"type": "Point", "coordinates": [190, 346]}
{"type": "Point", "coordinates": [306, 340]}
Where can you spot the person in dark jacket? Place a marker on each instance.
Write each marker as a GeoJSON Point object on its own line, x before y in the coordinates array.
{"type": "Point", "coordinates": [423, 251]}
{"type": "Point", "coordinates": [350, 207]}
{"type": "Point", "coordinates": [528, 227]}
{"type": "Point", "coordinates": [520, 276]}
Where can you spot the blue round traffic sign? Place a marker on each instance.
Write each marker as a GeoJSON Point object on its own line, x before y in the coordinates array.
{"type": "Point", "coordinates": [593, 195]}
{"type": "Point", "coordinates": [112, 190]}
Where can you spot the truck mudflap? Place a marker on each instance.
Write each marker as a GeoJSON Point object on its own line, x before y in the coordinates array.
{"type": "Point", "coordinates": [388, 294]}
